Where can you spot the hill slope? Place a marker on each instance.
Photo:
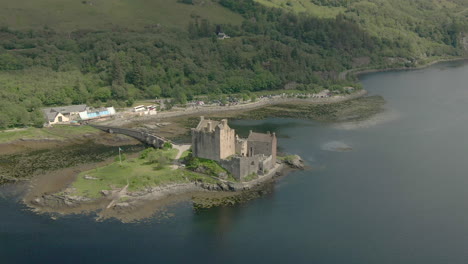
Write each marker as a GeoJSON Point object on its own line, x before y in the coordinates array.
{"type": "Point", "coordinates": [421, 25]}
{"type": "Point", "coordinates": [123, 54]}
{"type": "Point", "coordinates": [66, 15]}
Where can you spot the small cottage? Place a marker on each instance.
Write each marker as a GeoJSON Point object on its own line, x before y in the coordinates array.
{"type": "Point", "coordinates": [63, 114]}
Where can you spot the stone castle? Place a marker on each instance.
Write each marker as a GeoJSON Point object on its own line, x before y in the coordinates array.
{"type": "Point", "coordinates": [215, 140]}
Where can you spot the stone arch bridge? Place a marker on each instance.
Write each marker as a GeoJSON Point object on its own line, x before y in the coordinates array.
{"type": "Point", "coordinates": [146, 138]}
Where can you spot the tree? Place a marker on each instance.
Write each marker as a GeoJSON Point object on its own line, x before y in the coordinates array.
{"type": "Point", "coordinates": [179, 95]}
{"type": "Point", "coordinates": [137, 77]}
{"type": "Point", "coordinates": [102, 94]}
{"type": "Point", "coordinates": [158, 157]}
{"type": "Point", "coordinates": [119, 91]}
{"type": "Point", "coordinates": [153, 91]}
{"type": "Point", "coordinates": [118, 74]}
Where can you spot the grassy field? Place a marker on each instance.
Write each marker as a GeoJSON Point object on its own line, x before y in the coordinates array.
{"type": "Point", "coordinates": [58, 132]}
{"type": "Point", "coordinates": [139, 173]}
{"type": "Point", "coordinates": [68, 15]}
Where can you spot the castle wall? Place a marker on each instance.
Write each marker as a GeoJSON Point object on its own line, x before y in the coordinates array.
{"type": "Point", "coordinates": [241, 167]}
{"type": "Point", "coordinates": [206, 145]}
{"type": "Point", "coordinates": [227, 139]}
{"type": "Point", "coordinates": [266, 164]}
{"type": "Point", "coordinates": [215, 140]}
{"type": "Point", "coordinates": [265, 148]}
{"type": "Point", "coordinates": [241, 147]}
{"type": "Point", "coordinates": [274, 148]}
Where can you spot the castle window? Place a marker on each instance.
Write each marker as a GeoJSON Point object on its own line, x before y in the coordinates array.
{"type": "Point", "coordinates": [253, 163]}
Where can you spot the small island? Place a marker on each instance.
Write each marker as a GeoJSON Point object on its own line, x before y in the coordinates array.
{"type": "Point", "coordinates": [217, 161]}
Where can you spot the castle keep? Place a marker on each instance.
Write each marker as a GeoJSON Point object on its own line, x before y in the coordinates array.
{"type": "Point", "coordinates": [215, 140]}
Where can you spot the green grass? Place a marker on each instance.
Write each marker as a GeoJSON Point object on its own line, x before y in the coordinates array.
{"type": "Point", "coordinates": [211, 167]}
{"type": "Point", "coordinates": [250, 177]}
{"type": "Point", "coordinates": [67, 15]}
{"type": "Point", "coordinates": [139, 173]}
{"type": "Point", "coordinates": [58, 132]}
{"type": "Point", "coordinates": [307, 6]}
{"type": "Point", "coordinates": [184, 154]}
{"type": "Point", "coordinates": [286, 158]}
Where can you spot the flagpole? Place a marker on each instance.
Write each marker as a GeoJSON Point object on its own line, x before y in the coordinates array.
{"type": "Point", "coordinates": [120, 158]}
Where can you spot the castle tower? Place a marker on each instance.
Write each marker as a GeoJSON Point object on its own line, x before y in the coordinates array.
{"type": "Point", "coordinates": [213, 140]}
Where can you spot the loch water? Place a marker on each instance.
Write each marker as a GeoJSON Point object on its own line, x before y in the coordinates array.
{"type": "Point", "coordinates": [392, 189]}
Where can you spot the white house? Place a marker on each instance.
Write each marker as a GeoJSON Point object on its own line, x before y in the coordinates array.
{"type": "Point", "coordinates": [63, 114]}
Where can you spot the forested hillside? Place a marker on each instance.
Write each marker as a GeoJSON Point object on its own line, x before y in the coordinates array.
{"type": "Point", "coordinates": [45, 62]}
{"type": "Point", "coordinates": [424, 27]}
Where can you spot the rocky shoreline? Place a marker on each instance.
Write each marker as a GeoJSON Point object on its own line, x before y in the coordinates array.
{"type": "Point", "coordinates": [121, 204]}
{"type": "Point", "coordinates": [235, 108]}
{"type": "Point", "coordinates": [361, 71]}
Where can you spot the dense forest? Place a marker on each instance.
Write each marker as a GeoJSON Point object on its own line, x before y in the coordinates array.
{"type": "Point", "coordinates": [272, 47]}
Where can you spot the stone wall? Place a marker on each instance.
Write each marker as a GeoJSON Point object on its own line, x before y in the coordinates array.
{"type": "Point", "coordinates": [215, 140]}
{"type": "Point", "coordinates": [241, 167]}
{"type": "Point", "coordinates": [205, 145]}
{"type": "Point", "coordinates": [262, 147]}
{"type": "Point", "coordinates": [241, 146]}
{"type": "Point", "coordinates": [214, 143]}
{"type": "Point", "coordinates": [227, 140]}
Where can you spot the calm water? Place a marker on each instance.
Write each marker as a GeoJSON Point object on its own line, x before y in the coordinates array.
{"type": "Point", "coordinates": [400, 196]}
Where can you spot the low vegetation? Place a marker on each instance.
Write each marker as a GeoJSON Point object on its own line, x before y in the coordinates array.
{"type": "Point", "coordinates": [205, 166]}
{"type": "Point", "coordinates": [354, 110]}
{"type": "Point", "coordinates": [139, 173]}
{"type": "Point", "coordinates": [250, 177]}
{"type": "Point", "coordinates": [58, 132]}
{"type": "Point", "coordinates": [71, 15]}
{"type": "Point", "coordinates": [25, 165]}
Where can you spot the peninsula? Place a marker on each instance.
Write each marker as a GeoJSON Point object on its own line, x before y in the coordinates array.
{"type": "Point", "coordinates": [217, 161]}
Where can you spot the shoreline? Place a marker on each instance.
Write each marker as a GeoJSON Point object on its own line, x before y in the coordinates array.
{"type": "Point", "coordinates": [358, 72]}
{"type": "Point", "coordinates": [241, 107]}
{"type": "Point", "coordinates": [138, 205]}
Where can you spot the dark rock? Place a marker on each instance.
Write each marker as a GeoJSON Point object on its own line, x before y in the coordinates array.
{"type": "Point", "coordinates": [222, 175]}
{"type": "Point", "coordinates": [295, 162]}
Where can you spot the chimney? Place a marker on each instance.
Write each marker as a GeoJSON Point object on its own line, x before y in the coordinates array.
{"type": "Point", "coordinates": [210, 126]}
{"type": "Point", "coordinates": [224, 122]}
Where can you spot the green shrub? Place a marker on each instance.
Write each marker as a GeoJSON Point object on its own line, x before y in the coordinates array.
{"type": "Point", "coordinates": [167, 145]}
{"type": "Point", "coordinates": [209, 167]}
{"type": "Point", "coordinates": [144, 154]}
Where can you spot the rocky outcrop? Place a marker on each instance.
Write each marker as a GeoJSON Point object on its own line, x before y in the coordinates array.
{"type": "Point", "coordinates": [60, 201]}
{"type": "Point", "coordinates": [295, 161]}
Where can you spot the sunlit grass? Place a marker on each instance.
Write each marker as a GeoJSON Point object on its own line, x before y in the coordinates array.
{"type": "Point", "coordinates": [138, 173]}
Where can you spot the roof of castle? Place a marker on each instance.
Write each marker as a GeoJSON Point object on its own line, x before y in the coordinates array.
{"type": "Point", "coordinates": [253, 136]}
{"type": "Point", "coordinates": [204, 123]}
